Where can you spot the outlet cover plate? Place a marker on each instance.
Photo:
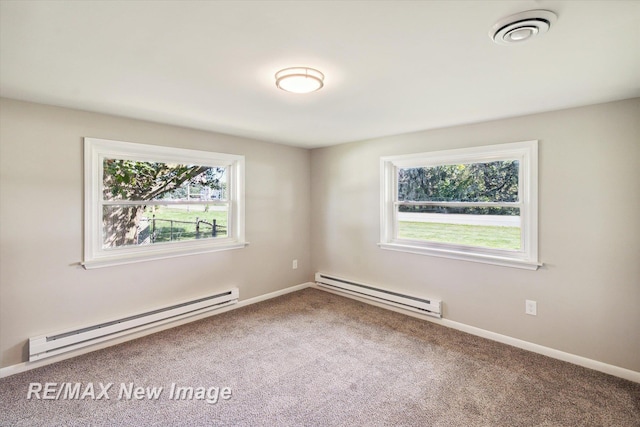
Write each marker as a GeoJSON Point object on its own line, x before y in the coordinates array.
{"type": "Point", "coordinates": [531, 307]}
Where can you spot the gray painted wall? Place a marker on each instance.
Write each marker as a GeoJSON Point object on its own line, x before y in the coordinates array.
{"type": "Point", "coordinates": [322, 207]}
{"type": "Point", "coordinates": [42, 287]}
{"type": "Point", "coordinates": [588, 291]}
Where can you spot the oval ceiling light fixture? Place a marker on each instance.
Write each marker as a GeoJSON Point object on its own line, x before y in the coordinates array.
{"type": "Point", "coordinates": [522, 26]}
{"type": "Point", "coordinates": [299, 79]}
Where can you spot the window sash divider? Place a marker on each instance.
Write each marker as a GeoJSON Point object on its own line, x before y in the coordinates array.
{"type": "Point", "coordinates": [461, 204]}
{"type": "Point", "coordinates": [163, 202]}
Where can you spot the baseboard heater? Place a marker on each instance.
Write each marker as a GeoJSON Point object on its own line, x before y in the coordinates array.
{"type": "Point", "coordinates": [63, 341]}
{"type": "Point", "coordinates": [428, 307]}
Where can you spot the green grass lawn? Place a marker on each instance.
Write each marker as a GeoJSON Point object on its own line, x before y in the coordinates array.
{"type": "Point", "coordinates": [460, 234]}
{"type": "Point", "coordinates": [182, 231]}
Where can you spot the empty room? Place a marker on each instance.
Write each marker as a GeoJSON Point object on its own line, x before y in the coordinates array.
{"type": "Point", "coordinates": [320, 213]}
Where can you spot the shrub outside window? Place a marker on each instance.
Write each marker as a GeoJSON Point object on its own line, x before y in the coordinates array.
{"type": "Point", "coordinates": [149, 202]}
{"type": "Point", "coordinates": [476, 204]}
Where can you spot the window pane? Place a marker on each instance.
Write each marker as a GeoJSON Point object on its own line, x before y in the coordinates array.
{"type": "Point", "coordinates": [145, 225]}
{"type": "Point", "coordinates": [134, 180]}
{"type": "Point", "coordinates": [495, 227]}
{"type": "Point", "coordinates": [475, 182]}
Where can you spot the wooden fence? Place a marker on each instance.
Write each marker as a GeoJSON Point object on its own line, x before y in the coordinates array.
{"type": "Point", "coordinates": [150, 233]}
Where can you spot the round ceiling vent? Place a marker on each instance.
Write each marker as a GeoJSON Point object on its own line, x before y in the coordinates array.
{"type": "Point", "coordinates": [522, 26]}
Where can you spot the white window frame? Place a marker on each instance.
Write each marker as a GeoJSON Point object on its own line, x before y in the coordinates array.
{"type": "Point", "coordinates": [96, 150]}
{"type": "Point", "coordinates": [525, 152]}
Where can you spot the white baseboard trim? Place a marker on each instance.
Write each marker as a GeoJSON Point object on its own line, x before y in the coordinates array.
{"type": "Point", "coordinates": [616, 371]}
{"type": "Point", "coordinates": [27, 366]}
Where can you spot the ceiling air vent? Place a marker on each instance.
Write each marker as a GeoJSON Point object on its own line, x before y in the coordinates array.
{"type": "Point", "coordinates": [522, 26]}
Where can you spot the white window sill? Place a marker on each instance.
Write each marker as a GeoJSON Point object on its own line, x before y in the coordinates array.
{"type": "Point", "coordinates": [464, 256]}
{"type": "Point", "coordinates": [113, 259]}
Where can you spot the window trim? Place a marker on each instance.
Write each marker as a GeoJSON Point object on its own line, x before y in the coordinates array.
{"type": "Point", "coordinates": [526, 152]}
{"type": "Point", "coordinates": [96, 150]}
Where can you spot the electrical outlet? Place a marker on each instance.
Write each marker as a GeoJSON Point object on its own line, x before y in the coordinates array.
{"type": "Point", "coordinates": [531, 307]}
{"type": "Point", "coordinates": [295, 264]}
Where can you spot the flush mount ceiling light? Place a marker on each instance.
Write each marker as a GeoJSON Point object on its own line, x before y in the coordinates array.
{"type": "Point", "coordinates": [522, 26]}
{"type": "Point", "coordinates": [299, 79]}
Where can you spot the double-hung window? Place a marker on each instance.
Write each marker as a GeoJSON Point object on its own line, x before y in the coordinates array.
{"type": "Point", "coordinates": [476, 204]}
{"type": "Point", "coordinates": [149, 202]}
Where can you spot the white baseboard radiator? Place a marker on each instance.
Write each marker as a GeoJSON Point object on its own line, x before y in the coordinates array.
{"type": "Point", "coordinates": [429, 307]}
{"type": "Point", "coordinates": [68, 340]}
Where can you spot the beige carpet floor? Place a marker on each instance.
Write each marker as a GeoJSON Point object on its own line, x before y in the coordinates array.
{"type": "Point", "coordinates": [312, 358]}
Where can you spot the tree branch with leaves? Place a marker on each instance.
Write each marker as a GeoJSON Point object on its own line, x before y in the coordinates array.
{"type": "Point", "coordinates": [144, 181]}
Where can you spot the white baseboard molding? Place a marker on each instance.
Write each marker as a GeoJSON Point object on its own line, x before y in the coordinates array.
{"type": "Point", "coordinates": [616, 371]}
{"type": "Point", "coordinates": [27, 366]}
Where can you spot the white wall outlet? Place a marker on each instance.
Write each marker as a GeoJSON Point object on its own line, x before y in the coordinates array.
{"type": "Point", "coordinates": [295, 264]}
{"type": "Point", "coordinates": [531, 307]}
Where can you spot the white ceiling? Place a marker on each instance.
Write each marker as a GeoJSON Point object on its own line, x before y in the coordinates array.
{"type": "Point", "coordinates": [391, 66]}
